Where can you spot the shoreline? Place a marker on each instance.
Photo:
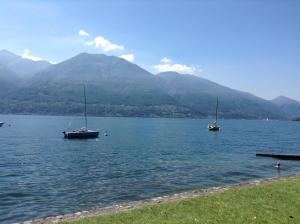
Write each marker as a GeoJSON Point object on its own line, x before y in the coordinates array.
{"type": "Point", "coordinates": [151, 117]}
{"type": "Point", "coordinates": [153, 201]}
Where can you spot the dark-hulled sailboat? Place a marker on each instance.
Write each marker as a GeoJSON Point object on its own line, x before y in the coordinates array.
{"type": "Point", "coordinates": [214, 126]}
{"type": "Point", "coordinates": [83, 132]}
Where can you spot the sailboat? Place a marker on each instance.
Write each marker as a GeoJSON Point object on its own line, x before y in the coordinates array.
{"type": "Point", "coordinates": [214, 126]}
{"type": "Point", "coordinates": [83, 132]}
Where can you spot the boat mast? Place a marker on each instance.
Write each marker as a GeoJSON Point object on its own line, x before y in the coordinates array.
{"type": "Point", "coordinates": [85, 106]}
{"type": "Point", "coordinates": [217, 109]}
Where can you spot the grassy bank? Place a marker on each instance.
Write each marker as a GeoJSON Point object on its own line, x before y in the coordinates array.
{"type": "Point", "coordinates": [275, 202]}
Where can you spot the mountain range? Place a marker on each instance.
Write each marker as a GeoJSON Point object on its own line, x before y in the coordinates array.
{"type": "Point", "coordinates": [116, 87]}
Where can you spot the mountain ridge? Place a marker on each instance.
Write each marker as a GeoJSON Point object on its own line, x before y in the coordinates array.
{"type": "Point", "coordinates": [289, 106]}
{"type": "Point", "coordinates": [284, 100]}
{"type": "Point", "coordinates": [23, 67]}
{"type": "Point", "coordinates": [117, 87]}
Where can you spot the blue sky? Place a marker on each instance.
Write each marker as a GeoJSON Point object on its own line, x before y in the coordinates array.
{"type": "Point", "coordinates": [252, 45]}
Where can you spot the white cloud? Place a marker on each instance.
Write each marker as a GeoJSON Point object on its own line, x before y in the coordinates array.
{"type": "Point", "coordinates": [166, 60]}
{"type": "Point", "coordinates": [26, 54]}
{"type": "Point", "coordinates": [184, 69]}
{"type": "Point", "coordinates": [128, 57]}
{"type": "Point", "coordinates": [167, 65]}
{"type": "Point", "coordinates": [104, 44]}
{"type": "Point", "coordinates": [83, 33]}
{"type": "Point", "coordinates": [89, 43]}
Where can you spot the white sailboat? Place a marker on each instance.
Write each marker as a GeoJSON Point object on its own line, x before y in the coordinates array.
{"type": "Point", "coordinates": [214, 126]}
{"type": "Point", "coordinates": [83, 132]}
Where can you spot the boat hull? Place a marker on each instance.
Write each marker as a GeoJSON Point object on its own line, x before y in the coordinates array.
{"type": "Point", "coordinates": [213, 128]}
{"type": "Point", "coordinates": [1, 124]}
{"type": "Point", "coordinates": [81, 135]}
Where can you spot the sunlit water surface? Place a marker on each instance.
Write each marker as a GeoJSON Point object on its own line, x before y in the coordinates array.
{"type": "Point", "coordinates": [42, 174]}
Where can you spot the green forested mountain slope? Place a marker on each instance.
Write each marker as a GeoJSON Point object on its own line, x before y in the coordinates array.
{"type": "Point", "coordinates": [116, 87]}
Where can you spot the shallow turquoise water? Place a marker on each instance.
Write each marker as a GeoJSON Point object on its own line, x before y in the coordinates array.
{"type": "Point", "coordinates": [42, 174]}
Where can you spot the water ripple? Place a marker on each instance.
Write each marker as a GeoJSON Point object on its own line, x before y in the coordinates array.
{"type": "Point", "coordinates": [42, 174]}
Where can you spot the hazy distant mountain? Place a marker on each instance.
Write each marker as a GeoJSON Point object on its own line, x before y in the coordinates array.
{"type": "Point", "coordinates": [200, 94]}
{"type": "Point", "coordinates": [21, 66]}
{"type": "Point", "coordinates": [111, 80]}
{"type": "Point", "coordinates": [8, 80]}
{"type": "Point", "coordinates": [288, 106]}
{"type": "Point", "coordinates": [7, 76]}
{"type": "Point", "coordinates": [283, 101]}
{"type": "Point", "coordinates": [93, 68]}
{"type": "Point", "coordinates": [116, 87]}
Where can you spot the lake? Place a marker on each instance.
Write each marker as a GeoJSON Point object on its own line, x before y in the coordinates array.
{"type": "Point", "coordinates": [42, 174]}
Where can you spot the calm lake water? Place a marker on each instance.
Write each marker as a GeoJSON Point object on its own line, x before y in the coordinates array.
{"type": "Point", "coordinates": [42, 174]}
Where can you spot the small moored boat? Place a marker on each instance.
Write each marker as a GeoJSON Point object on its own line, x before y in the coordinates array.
{"type": "Point", "coordinates": [1, 124]}
{"type": "Point", "coordinates": [214, 126]}
{"type": "Point", "coordinates": [83, 132]}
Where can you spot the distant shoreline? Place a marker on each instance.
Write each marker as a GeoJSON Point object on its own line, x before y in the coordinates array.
{"type": "Point", "coordinates": [167, 117]}
{"type": "Point", "coordinates": [154, 201]}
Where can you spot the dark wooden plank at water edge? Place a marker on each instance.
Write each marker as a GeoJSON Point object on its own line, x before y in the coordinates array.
{"type": "Point", "coordinates": [280, 156]}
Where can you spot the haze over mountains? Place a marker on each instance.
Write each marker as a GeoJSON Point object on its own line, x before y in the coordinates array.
{"type": "Point", "coordinates": [289, 106]}
{"type": "Point", "coordinates": [20, 66]}
{"type": "Point", "coordinates": [116, 87]}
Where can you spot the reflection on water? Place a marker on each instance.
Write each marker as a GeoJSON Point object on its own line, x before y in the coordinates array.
{"type": "Point", "coordinates": [43, 174]}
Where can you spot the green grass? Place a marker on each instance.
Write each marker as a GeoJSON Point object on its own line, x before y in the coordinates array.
{"type": "Point", "coordinates": [277, 202]}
